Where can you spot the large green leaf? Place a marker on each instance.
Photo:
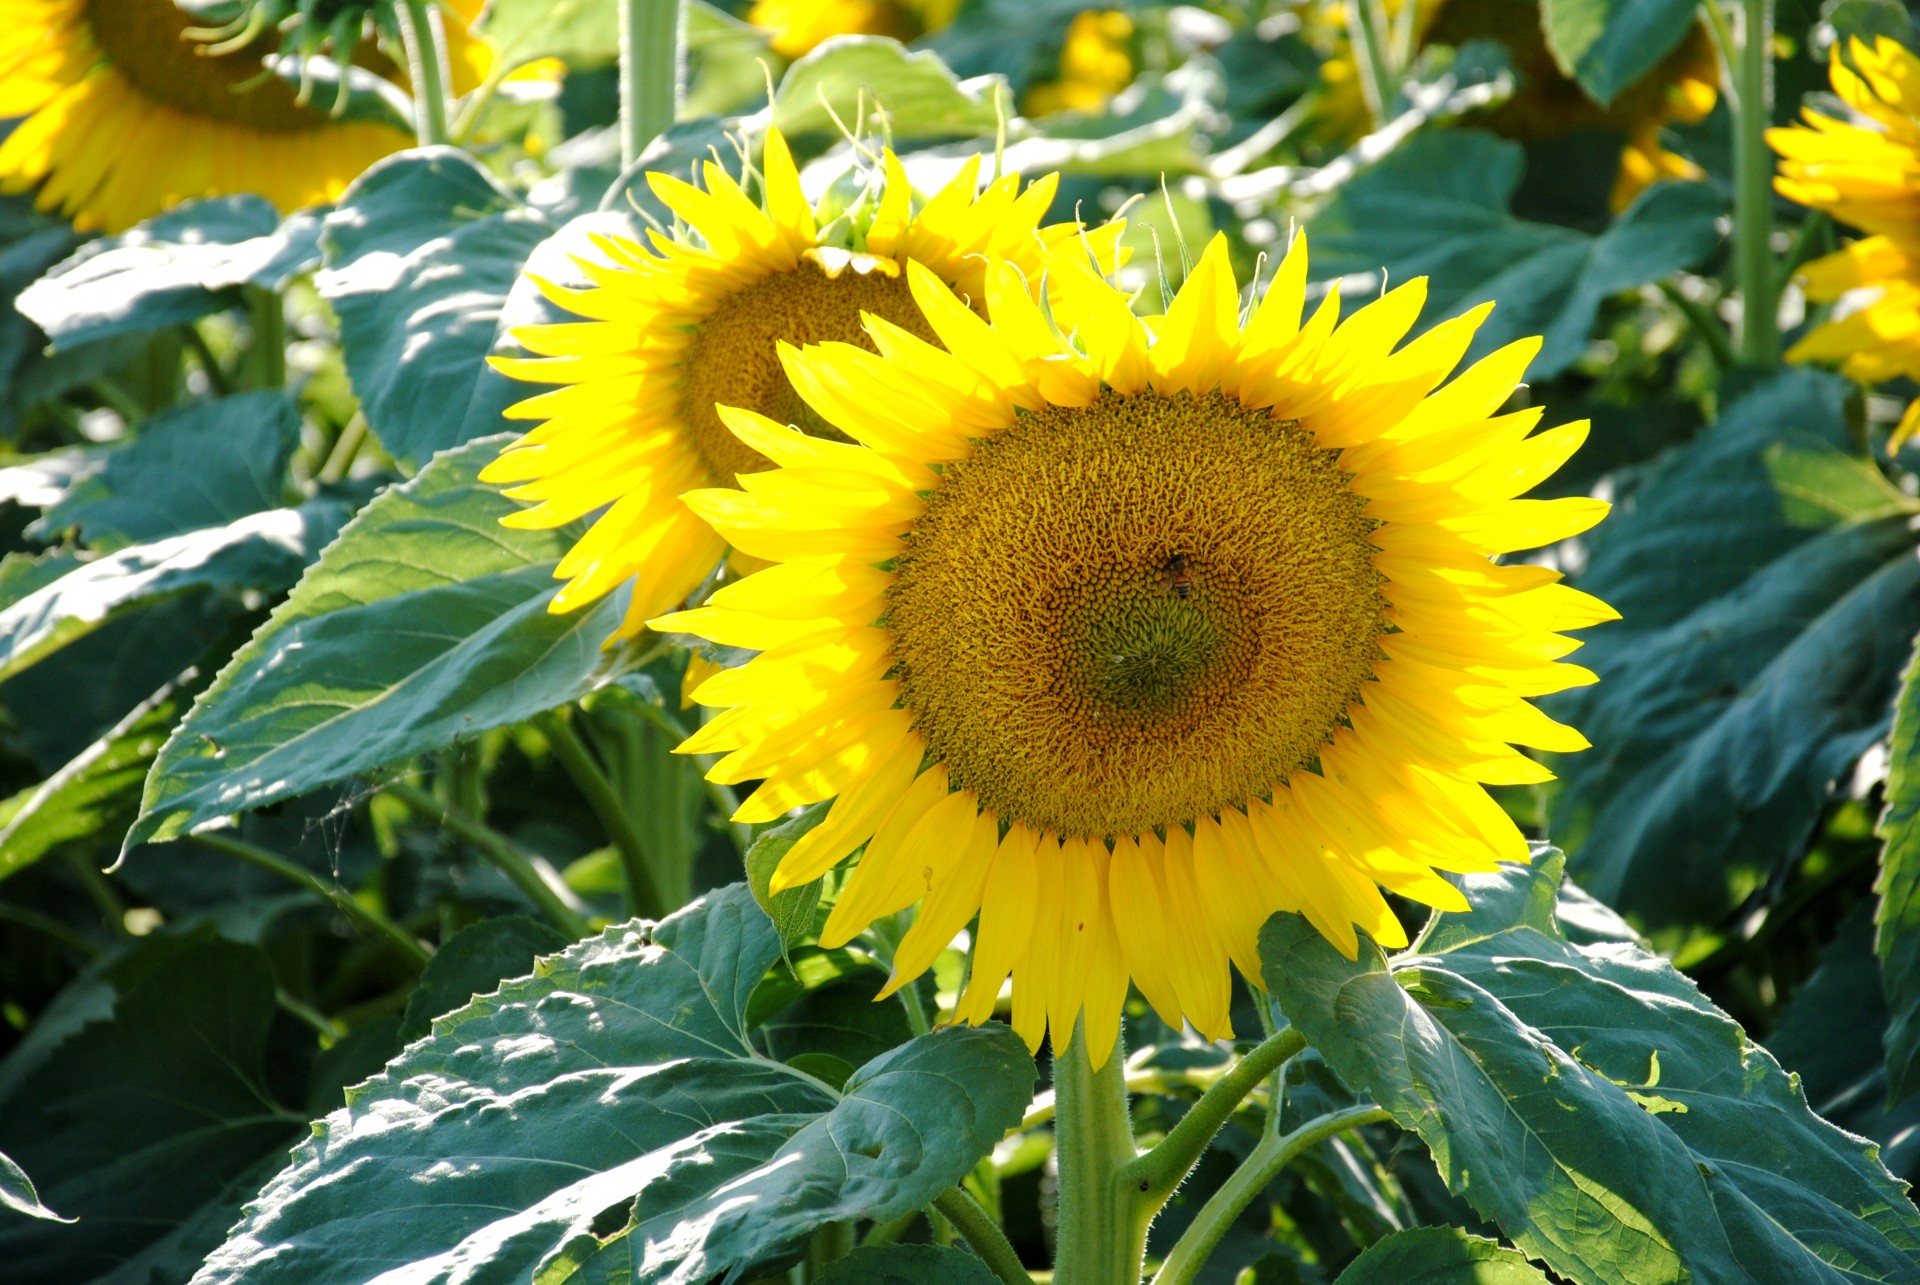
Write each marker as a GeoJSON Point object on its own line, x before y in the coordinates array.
{"type": "Point", "coordinates": [420, 255]}
{"type": "Point", "coordinates": [1439, 1256]}
{"type": "Point", "coordinates": [915, 91]}
{"type": "Point", "coordinates": [263, 551]}
{"type": "Point", "coordinates": [612, 1106]}
{"type": "Point", "coordinates": [201, 465]}
{"type": "Point", "coordinates": [1745, 676]}
{"type": "Point", "coordinates": [474, 961]}
{"type": "Point", "coordinates": [1608, 44]}
{"type": "Point", "coordinates": [583, 32]}
{"type": "Point", "coordinates": [425, 623]}
{"type": "Point", "coordinates": [175, 267]}
{"type": "Point", "coordinates": [145, 1110]}
{"type": "Point", "coordinates": [1592, 1103]}
{"type": "Point", "coordinates": [1898, 941]}
{"type": "Point", "coordinates": [1440, 208]}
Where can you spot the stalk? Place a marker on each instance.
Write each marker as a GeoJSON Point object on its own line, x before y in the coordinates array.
{"type": "Point", "coordinates": [650, 72]}
{"type": "Point", "coordinates": [501, 851]}
{"type": "Point", "coordinates": [426, 70]}
{"type": "Point", "coordinates": [984, 1235]}
{"type": "Point", "coordinates": [1749, 64]}
{"type": "Point", "coordinates": [365, 916]}
{"type": "Point", "coordinates": [1103, 1226]}
{"type": "Point", "coordinates": [1377, 81]}
{"type": "Point", "coordinates": [643, 891]}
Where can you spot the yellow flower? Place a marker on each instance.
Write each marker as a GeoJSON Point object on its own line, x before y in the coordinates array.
{"type": "Point", "coordinates": [126, 117]}
{"type": "Point", "coordinates": [673, 332]}
{"type": "Point", "coordinates": [1125, 646]}
{"type": "Point", "coordinates": [1547, 103]}
{"type": "Point", "coordinates": [1094, 65]}
{"type": "Point", "coordinates": [799, 25]}
{"type": "Point", "coordinates": [1867, 176]}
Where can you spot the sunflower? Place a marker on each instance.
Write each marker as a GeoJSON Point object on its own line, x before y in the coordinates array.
{"type": "Point", "coordinates": [1682, 88]}
{"type": "Point", "coordinates": [1124, 642]}
{"type": "Point", "coordinates": [1866, 175]}
{"type": "Point", "coordinates": [799, 25]}
{"type": "Point", "coordinates": [673, 333]}
{"type": "Point", "coordinates": [1095, 64]}
{"type": "Point", "coordinates": [125, 116]}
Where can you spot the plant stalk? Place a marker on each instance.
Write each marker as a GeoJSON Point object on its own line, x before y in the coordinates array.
{"type": "Point", "coordinates": [643, 890]}
{"type": "Point", "coordinates": [267, 350]}
{"type": "Point", "coordinates": [983, 1234]}
{"type": "Point", "coordinates": [1749, 63]}
{"type": "Point", "coordinates": [343, 901]}
{"type": "Point", "coordinates": [501, 851]}
{"type": "Point", "coordinates": [1269, 1158]}
{"type": "Point", "coordinates": [426, 70]}
{"type": "Point", "coordinates": [1377, 81]}
{"type": "Point", "coordinates": [1155, 1175]}
{"type": "Point", "coordinates": [651, 72]}
{"type": "Point", "coordinates": [1103, 1224]}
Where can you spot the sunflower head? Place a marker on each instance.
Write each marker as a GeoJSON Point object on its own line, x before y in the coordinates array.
{"type": "Point", "coordinates": [129, 113]}
{"type": "Point", "coordinates": [1123, 635]}
{"type": "Point", "coordinates": [696, 320]}
{"type": "Point", "coordinates": [1864, 173]}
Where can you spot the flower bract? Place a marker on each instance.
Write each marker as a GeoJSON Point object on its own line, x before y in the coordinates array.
{"type": "Point", "coordinates": [673, 331]}
{"type": "Point", "coordinates": [126, 116]}
{"type": "Point", "coordinates": [1123, 643]}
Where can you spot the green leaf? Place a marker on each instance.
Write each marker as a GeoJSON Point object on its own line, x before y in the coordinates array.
{"type": "Point", "coordinates": [612, 1104]}
{"type": "Point", "coordinates": [791, 911]}
{"type": "Point", "coordinates": [425, 623]}
{"type": "Point", "coordinates": [173, 268]}
{"type": "Point", "coordinates": [1591, 1102]}
{"type": "Point", "coordinates": [907, 1265]}
{"type": "Point", "coordinates": [97, 794]}
{"type": "Point", "coordinates": [1743, 677]}
{"type": "Point", "coordinates": [139, 1116]}
{"type": "Point", "coordinates": [1440, 208]}
{"type": "Point", "coordinates": [914, 91]}
{"type": "Point", "coordinates": [420, 256]}
{"type": "Point", "coordinates": [263, 551]}
{"type": "Point", "coordinates": [582, 33]}
{"type": "Point", "coordinates": [472, 962]}
{"type": "Point", "coordinates": [201, 465]}
{"type": "Point", "coordinates": [17, 1193]}
{"type": "Point", "coordinates": [1440, 1256]}
{"type": "Point", "coordinates": [1897, 943]}
{"type": "Point", "coordinates": [1606, 45]}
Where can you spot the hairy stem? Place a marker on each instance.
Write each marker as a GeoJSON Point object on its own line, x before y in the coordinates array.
{"type": "Point", "coordinates": [643, 890]}
{"type": "Point", "coordinates": [1103, 1226]}
{"type": "Point", "coordinates": [426, 71]}
{"type": "Point", "coordinates": [1160, 1171]}
{"type": "Point", "coordinates": [343, 901]}
{"type": "Point", "coordinates": [650, 72]}
{"type": "Point", "coordinates": [984, 1234]}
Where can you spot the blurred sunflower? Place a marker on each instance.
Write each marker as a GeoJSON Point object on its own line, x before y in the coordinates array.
{"type": "Point", "coordinates": [1547, 103]}
{"type": "Point", "coordinates": [799, 25]}
{"type": "Point", "coordinates": [1096, 63]}
{"type": "Point", "coordinates": [126, 116]}
{"type": "Point", "coordinates": [1867, 176]}
{"type": "Point", "coordinates": [673, 332]}
{"type": "Point", "coordinates": [1127, 642]}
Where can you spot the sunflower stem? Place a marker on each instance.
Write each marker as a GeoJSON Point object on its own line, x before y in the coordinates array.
{"type": "Point", "coordinates": [650, 72]}
{"type": "Point", "coordinates": [1155, 1175]}
{"type": "Point", "coordinates": [643, 890]}
{"type": "Point", "coordinates": [267, 350]}
{"type": "Point", "coordinates": [983, 1234]}
{"type": "Point", "coordinates": [1103, 1222]}
{"type": "Point", "coordinates": [343, 901]}
{"type": "Point", "coordinates": [1749, 62]}
{"type": "Point", "coordinates": [1273, 1154]}
{"type": "Point", "coordinates": [550, 896]}
{"type": "Point", "coordinates": [1378, 84]}
{"type": "Point", "coordinates": [426, 70]}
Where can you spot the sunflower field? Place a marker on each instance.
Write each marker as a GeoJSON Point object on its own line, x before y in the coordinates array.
{"type": "Point", "coordinates": [952, 642]}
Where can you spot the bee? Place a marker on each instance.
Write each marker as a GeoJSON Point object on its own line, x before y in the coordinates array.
{"type": "Point", "coordinates": [1175, 574]}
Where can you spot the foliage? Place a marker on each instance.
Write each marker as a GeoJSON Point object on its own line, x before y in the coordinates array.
{"type": "Point", "coordinates": [357, 917]}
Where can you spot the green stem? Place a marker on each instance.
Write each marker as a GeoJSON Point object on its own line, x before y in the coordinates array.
{"type": "Point", "coordinates": [1377, 81]}
{"type": "Point", "coordinates": [1751, 68]}
{"type": "Point", "coordinates": [113, 910]}
{"type": "Point", "coordinates": [650, 72]}
{"type": "Point", "coordinates": [268, 351]}
{"type": "Point", "coordinates": [1157, 1173]}
{"type": "Point", "coordinates": [890, 1232]}
{"type": "Point", "coordinates": [984, 1234]}
{"type": "Point", "coordinates": [1103, 1226]}
{"type": "Point", "coordinates": [501, 851]}
{"type": "Point", "coordinates": [346, 447]}
{"type": "Point", "coordinates": [1704, 324]}
{"type": "Point", "coordinates": [210, 364]}
{"type": "Point", "coordinates": [274, 863]}
{"type": "Point", "coordinates": [117, 399]}
{"type": "Point", "coordinates": [48, 926]}
{"type": "Point", "coordinates": [419, 32]}
{"type": "Point", "coordinates": [643, 891]}
{"type": "Point", "coordinates": [1268, 1159]}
